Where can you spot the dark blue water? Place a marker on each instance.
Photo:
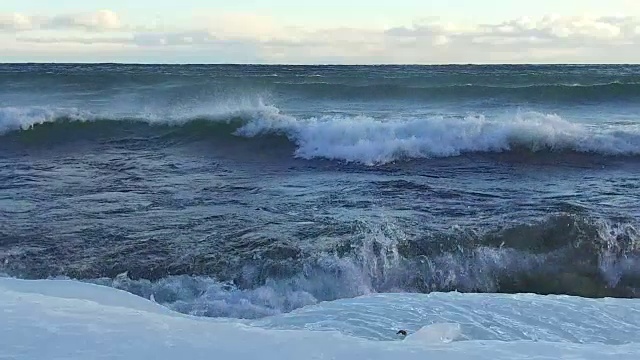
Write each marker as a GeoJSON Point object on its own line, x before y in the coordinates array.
{"type": "Point", "coordinates": [246, 191]}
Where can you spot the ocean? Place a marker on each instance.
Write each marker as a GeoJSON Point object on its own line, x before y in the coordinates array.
{"type": "Point", "coordinates": [245, 191]}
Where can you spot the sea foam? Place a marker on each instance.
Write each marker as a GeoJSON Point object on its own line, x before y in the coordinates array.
{"type": "Point", "coordinates": [371, 141]}
{"type": "Point", "coordinates": [367, 140]}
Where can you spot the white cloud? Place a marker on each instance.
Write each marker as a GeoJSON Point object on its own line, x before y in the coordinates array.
{"type": "Point", "coordinates": [102, 20]}
{"type": "Point", "coordinates": [173, 39]}
{"type": "Point", "coordinates": [15, 22]}
{"type": "Point", "coordinates": [86, 40]}
{"type": "Point", "coordinates": [550, 38]}
{"type": "Point", "coordinates": [242, 26]}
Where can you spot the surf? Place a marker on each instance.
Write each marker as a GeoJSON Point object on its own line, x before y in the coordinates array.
{"type": "Point", "coordinates": [563, 255]}
{"type": "Point", "coordinates": [357, 139]}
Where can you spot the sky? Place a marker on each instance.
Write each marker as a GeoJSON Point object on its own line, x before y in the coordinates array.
{"type": "Point", "coordinates": [327, 31]}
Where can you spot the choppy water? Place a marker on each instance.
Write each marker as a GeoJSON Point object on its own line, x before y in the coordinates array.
{"type": "Point", "coordinates": [248, 191]}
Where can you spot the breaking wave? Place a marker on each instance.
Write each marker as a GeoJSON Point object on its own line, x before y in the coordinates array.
{"type": "Point", "coordinates": [564, 254]}
{"type": "Point", "coordinates": [358, 139]}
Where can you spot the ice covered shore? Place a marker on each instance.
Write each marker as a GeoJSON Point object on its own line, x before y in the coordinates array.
{"type": "Point", "coordinates": [62, 319]}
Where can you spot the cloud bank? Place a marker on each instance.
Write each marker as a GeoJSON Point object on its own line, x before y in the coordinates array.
{"type": "Point", "coordinates": [102, 20]}
{"type": "Point", "coordinates": [253, 38]}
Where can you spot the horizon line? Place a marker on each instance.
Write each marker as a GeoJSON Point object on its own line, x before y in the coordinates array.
{"type": "Point", "coordinates": [314, 64]}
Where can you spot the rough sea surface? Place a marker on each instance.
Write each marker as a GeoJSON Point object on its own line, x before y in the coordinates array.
{"type": "Point", "coordinates": [249, 191]}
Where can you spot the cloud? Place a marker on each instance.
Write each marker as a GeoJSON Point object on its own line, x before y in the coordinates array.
{"type": "Point", "coordinates": [550, 38]}
{"type": "Point", "coordinates": [102, 20]}
{"type": "Point", "coordinates": [86, 40]}
{"type": "Point", "coordinates": [15, 22]}
{"type": "Point", "coordinates": [562, 29]}
{"type": "Point", "coordinates": [244, 26]}
{"type": "Point", "coordinates": [173, 38]}
{"type": "Point", "coordinates": [552, 28]}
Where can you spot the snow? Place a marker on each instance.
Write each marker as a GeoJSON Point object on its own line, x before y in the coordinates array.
{"type": "Point", "coordinates": [64, 319]}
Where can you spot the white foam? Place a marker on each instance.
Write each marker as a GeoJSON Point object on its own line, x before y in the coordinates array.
{"type": "Point", "coordinates": [72, 322]}
{"type": "Point", "coordinates": [24, 118]}
{"type": "Point", "coordinates": [326, 277]}
{"type": "Point", "coordinates": [374, 264]}
{"type": "Point", "coordinates": [367, 140]}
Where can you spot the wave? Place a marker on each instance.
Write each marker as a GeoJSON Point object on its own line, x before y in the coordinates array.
{"type": "Point", "coordinates": [357, 139]}
{"type": "Point", "coordinates": [564, 254]}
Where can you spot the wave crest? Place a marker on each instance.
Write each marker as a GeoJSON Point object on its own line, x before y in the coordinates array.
{"type": "Point", "coordinates": [371, 141]}
{"type": "Point", "coordinates": [564, 254]}
{"type": "Point", "coordinates": [368, 140]}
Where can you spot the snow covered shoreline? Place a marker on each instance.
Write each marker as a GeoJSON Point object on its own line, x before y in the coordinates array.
{"type": "Point", "coordinates": [61, 319]}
